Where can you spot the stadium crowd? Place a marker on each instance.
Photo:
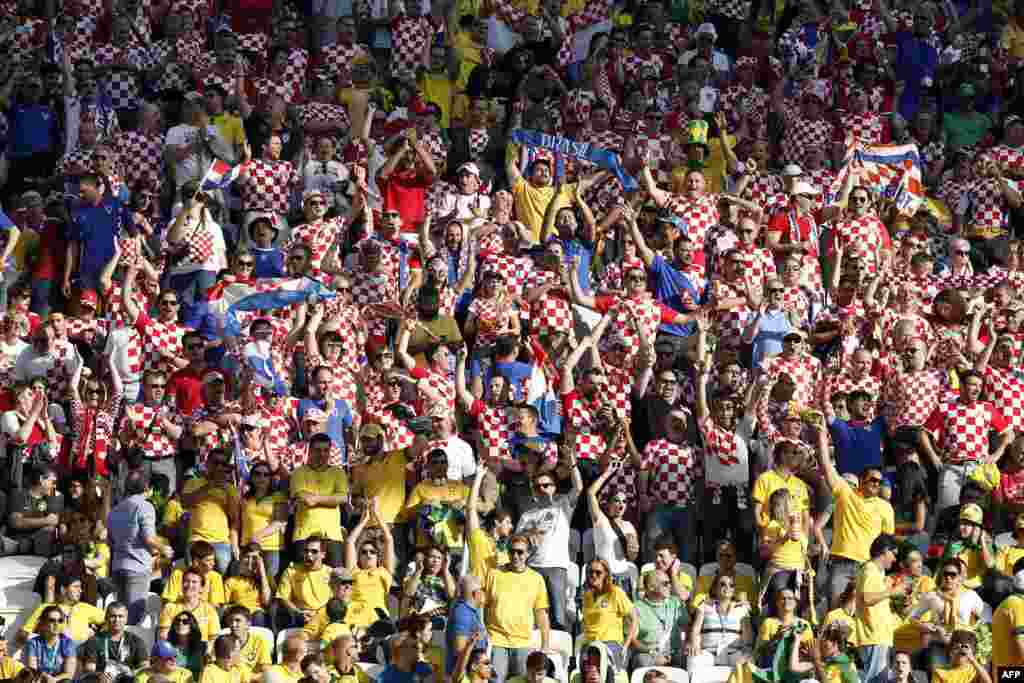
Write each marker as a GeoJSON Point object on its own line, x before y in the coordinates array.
{"type": "Point", "coordinates": [513, 340]}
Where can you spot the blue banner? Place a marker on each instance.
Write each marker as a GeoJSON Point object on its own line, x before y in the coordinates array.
{"type": "Point", "coordinates": [584, 151]}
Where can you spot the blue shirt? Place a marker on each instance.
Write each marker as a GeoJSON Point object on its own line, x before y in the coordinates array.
{"type": "Point", "coordinates": [585, 251]}
{"type": "Point", "coordinates": [129, 524]}
{"type": "Point", "coordinates": [423, 673]}
{"type": "Point", "coordinates": [858, 444]}
{"type": "Point", "coordinates": [915, 60]}
{"type": "Point", "coordinates": [33, 130]}
{"type": "Point", "coordinates": [669, 287]}
{"type": "Point", "coordinates": [338, 419]}
{"type": "Point", "coordinates": [50, 660]}
{"type": "Point", "coordinates": [269, 262]}
{"type": "Point", "coordinates": [96, 228]}
{"type": "Point", "coordinates": [463, 620]}
{"type": "Point", "coordinates": [773, 327]}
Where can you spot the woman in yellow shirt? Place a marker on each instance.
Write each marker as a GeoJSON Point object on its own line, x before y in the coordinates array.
{"type": "Point", "coordinates": [784, 543]}
{"type": "Point", "coordinates": [773, 628]}
{"type": "Point", "coordinates": [607, 611]}
{"type": "Point", "coordinates": [371, 574]}
{"type": "Point", "coordinates": [264, 518]}
{"type": "Point", "coordinates": [964, 666]}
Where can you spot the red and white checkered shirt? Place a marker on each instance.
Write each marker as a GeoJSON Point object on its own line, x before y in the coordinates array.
{"type": "Point", "coordinates": [553, 311]}
{"type": "Point", "coordinates": [802, 133]}
{"type": "Point", "coordinates": [911, 397]}
{"type": "Point", "coordinates": [674, 471]}
{"type": "Point", "coordinates": [1004, 387]}
{"type": "Point", "coordinates": [318, 236]}
{"type": "Point", "coordinates": [140, 156]}
{"type": "Point", "coordinates": [147, 435]}
{"type": "Point", "coordinates": [805, 371]}
{"type": "Point", "coordinates": [219, 437]}
{"type": "Point", "coordinates": [439, 384]}
{"type": "Point", "coordinates": [496, 428]}
{"type": "Point", "coordinates": [731, 322]}
{"type": "Point", "coordinates": [1010, 158]}
{"type": "Point", "coordinates": [159, 338]}
{"type": "Point", "coordinates": [796, 300]}
{"type": "Point", "coordinates": [411, 38]}
{"type": "Point", "coordinates": [700, 213]}
{"type": "Point", "coordinates": [987, 208]}
{"type": "Point", "coordinates": [122, 84]}
{"type": "Point", "coordinates": [514, 269]}
{"type": "Point", "coordinates": [334, 56]}
{"type": "Point", "coordinates": [846, 383]}
{"type": "Point", "coordinates": [491, 318]}
{"type": "Point", "coordinates": [276, 424]}
{"type": "Point", "coordinates": [398, 435]}
{"type": "Point", "coordinates": [866, 126]}
{"type": "Point", "coordinates": [758, 264]}
{"type": "Point", "coordinates": [962, 430]}
{"type": "Point", "coordinates": [297, 454]}
{"type": "Point", "coordinates": [268, 185]}
{"type": "Point", "coordinates": [719, 443]}
{"type": "Point", "coordinates": [581, 419]}
{"type": "Point", "coordinates": [373, 288]}
{"type": "Point", "coordinates": [864, 237]}
{"type": "Point", "coordinates": [87, 330]}
{"type": "Point", "coordinates": [755, 95]}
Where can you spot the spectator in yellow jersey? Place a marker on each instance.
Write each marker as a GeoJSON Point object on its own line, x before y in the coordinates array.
{"type": "Point", "coordinates": [289, 669]}
{"type": "Point", "coordinates": [343, 655]}
{"type": "Point", "coordinates": [963, 666]}
{"type": "Point", "coordinates": [873, 625]}
{"type": "Point", "coordinates": [191, 601]}
{"type": "Point", "coordinates": [214, 507]}
{"type": "Point", "coordinates": [341, 588]}
{"type": "Point", "coordinates": [373, 567]}
{"type": "Point", "coordinates": [253, 650]}
{"type": "Point", "coordinates": [304, 588]}
{"type": "Point", "coordinates": [318, 489]}
{"type": "Point", "coordinates": [726, 556]}
{"type": "Point", "coordinates": [251, 588]}
{"type": "Point", "coordinates": [224, 668]}
{"type": "Point", "coordinates": [487, 546]}
{"type": "Point", "coordinates": [9, 666]}
{"type": "Point", "coordinates": [1008, 625]}
{"type": "Point", "coordinates": [608, 614]}
{"type": "Point", "coordinates": [380, 473]}
{"type": "Point", "coordinates": [510, 623]}
{"type": "Point", "coordinates": [204, 561]}
{"type": "Point", "coordinates": [265, 517]}
{"type": "Point", "coordinates": [164, 665]}
{"type": "Point", "coordinates": [80, 617]}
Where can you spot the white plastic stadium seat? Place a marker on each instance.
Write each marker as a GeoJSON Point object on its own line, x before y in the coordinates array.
{"type": "Point", "coordinates": [282, 636]}
{"type": "Point", "coordinates": [561, 643]}
{"type": "Point", "coordinates": [634, 578]}
{"type": "Point", "coordinates": [572, 588]}
{"type": "Point", "coordinates": [575, 542]}
{"type": "Point", "coordinates": [371, 670]}
{"type": "Point", "coordinates": [1004, 539]}
{"type": "Point", "coordinates": [17, 600]}
{"type": "Point", "coordinates": [672, 673]}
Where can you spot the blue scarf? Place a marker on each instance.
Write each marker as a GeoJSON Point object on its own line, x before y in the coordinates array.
{"type": "Point", "coordinates": [583, 151]}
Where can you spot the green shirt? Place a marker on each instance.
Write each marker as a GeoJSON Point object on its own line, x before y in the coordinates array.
{"type": "Point", "coordinates": [840, 669]}
{"type": "Point", "coordinates": [965, 129]}
{"type": "Point", "coordinates": [659, 625]}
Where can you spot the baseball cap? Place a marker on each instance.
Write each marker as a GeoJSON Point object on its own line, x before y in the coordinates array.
{"type": "Point", "coordinates": [470, 168]}
{"type": "Point", "coordinates": [794, 334]}
{"type": "Point", "coordinates": [164, 650]}
{"type": "Point", "coordinates": [341, 575]}
{"type": "Point", "coordinates": [804, 187]}
{"type": "Point", "coordinates": [972, 513]}
{"type": "Point", "coordinates": [30, 199]}
{"type": "Point", "coordinates": [792, 170]}
{"type": "Point", "coordinates": [309, 194]}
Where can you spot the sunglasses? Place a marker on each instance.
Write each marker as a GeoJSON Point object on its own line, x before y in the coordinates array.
{"type": "Point", "coordinates": [776, 291]}
{"type": "Point", "coordinates": [962, 253]}
{"type": "Point", "coordinates": [518, 551]}
{"type": "Point", "coordinates": [311, 551]}
{"type": "Point", "coordinates": [156, 386]}
{"type": "Point", "coordinates": [368, 551]}
{"type": "Point", "coordinates": [874, 480]}
{"type": "Point", "coordinates": [950, 575]}
{"type": "Point", "coordinates": [247, 264]}
{"type": "Point", "coordinates": [545, 485]}
{"type": "Point", "coordinates": [169, 302]}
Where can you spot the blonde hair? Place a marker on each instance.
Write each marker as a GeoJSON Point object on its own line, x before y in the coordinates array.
{"type": "Point", "coordinates": [778, 506]}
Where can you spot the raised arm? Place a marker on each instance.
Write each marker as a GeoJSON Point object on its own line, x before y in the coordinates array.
{"type": "Point", "coordinates": [578, 296]}
{"type": "Point", "coordinates": [550, 213]}
{"type": "Point", "coordinates": [402, 349]}
{"type": "Point", "coordinates": [660, 197]}
{"type": "Point", "coordinates": [466, 397]}
{"type": "Point", "coordinates": [597, 516]}
{"type": "Point", "coordinates": [646, 254]}
{"type": "Point", "coordinates": [351, 556]}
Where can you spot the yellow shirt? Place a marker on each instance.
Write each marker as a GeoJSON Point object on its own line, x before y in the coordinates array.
{"type": "Point", "coordinates": [285, 674]}
{"type": "Point", "coordinates": [483, 554]}
{"type": "Point", "coordinates": [317, 626]}
{"type": "Point", "coordinates": [604, 616]}
{"type": "Point", "coordinates": [332, 633]}
{"type": "Point", "coordinates": [179, 675]}
{"type": "Point", "coordinates": [531, 202]}
{"type": "Point", "coordinates": [510, 623]}
{"type": "Point", "coordinates": [244, 591]}
{"type": "Point", "coordinates": [439, 89]}
{"type": "Point", "coordinates": [384, 481]}
{"type": "Point", "coordinates": [770, 482]}
{"type": "Point", "coordinates": [28, 244]}
{"type": "Point", "coordinates": [213, 673]}
{"type": "Point", "coordinates": [906, 635]}
{"type": "Point", "coordinates": [325, 521]}
{"type": "Point", "coordinates": [1007, 556]}
{"type": "Point", "coordinates": [745, 589]}
{"type": "Point", "coordinates": [857, 521]}
{"type": "Point", "coordinates": [975, 568]}
{"type": "Point", "coordinates": [173, 512]}
{"type": "Point", "coordinates": [1013, 39]}
{"type": "Point", "coordinates": [9, 668]}
{"type": "Point", "coordinates": [208, 520]}
{"type": "Point", "coordinates": [79, 617]}
{"type": "Point", "coordinates": [873, 625]}
{"type": "Point", "coordinates": [449, 492]}
{"type": "Point", "coordinates": [205, 614]}
{"type": "Point", "coordinates": [230, 129]}
{"type": "Point", "coordinates": [305, 589]}
{"type": "Point", "coordinates": [255, 653]}
{"type": "Point", "coordinates": [714, 167]}
{"type": "Point", "coordinates": [1007, 626]}
{"type": "Point", "coordinates": [369, 591]}
{"type": "Point", "coordinates": [357, 676]}
{"type": "Point", "coordinates": [964, 673]}
{"type": "Point", "coordinates": [791, 554]}
{"type": "Point", "coordinates": [257, 515]}
{"type": "Point", "coordinates": [213, 587]}
{"type": "Point", "coordinates": [839, 615]}
{"type": "Point", "coordinates": [468, 51]}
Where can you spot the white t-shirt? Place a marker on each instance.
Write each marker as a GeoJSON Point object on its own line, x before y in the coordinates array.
{"type": "Point", "coordinates": [119, 342]}
{"type": "Point", "coordinates": [552, 521]}
{"type": "Point", "coordinates": [461, 463]}
{"type": "Point", "coordinates": [217, 260]}
{"type": "Point", "coordinates": [188, 168]}
{"type": "Point", "coordinates": [465, 206]}
{"type": "Point", "coordinates": [30, 364]}
{"type": "Point", "coordinates": [607, 546]}
{"type": "Point", "coordinates": [970, 603]}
